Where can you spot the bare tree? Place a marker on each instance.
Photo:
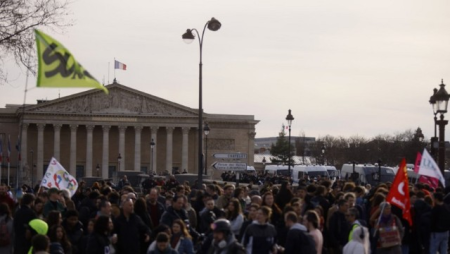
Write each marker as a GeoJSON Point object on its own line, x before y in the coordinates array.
{"type": "Point", "coordinates": [18, 18]}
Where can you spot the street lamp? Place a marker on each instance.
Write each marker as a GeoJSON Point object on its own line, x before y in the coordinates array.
{"type": "Point", "coordinates": [188, 37]}
{"type": "Point", "coordinates": [206, 129]}
{"type": "Point", "coordinates": [152, 145]}
{"type": "Point", "coordinates": [289, 119]}
{"type": "Point", "coordinates": [441, 105]}
{"type": "Point", "coordinates": [323, 154]}
{"type": "Point", "coordinates": [32, 168]}
{"type": "Point", "coordinates": [434, 139]}
{"type": "Point", "coordinates": [98, 170]}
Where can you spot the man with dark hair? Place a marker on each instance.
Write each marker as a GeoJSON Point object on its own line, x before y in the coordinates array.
{"type": "Point", "coordinates": [339, 226]}
{"type": "Point", "coordinates": [22, 217]}
{"type": "Point", "coordinates": [55, 203]}
{"type": "Point", "coordinates": [105, 208]}
{"type": "Point", "coordinates": [174, 212]}
{"type": "Point", "coordinates": [155, 209]}
{"type": "Point", "coordinates": [162, 245]}
{"type": "Point", "coordinates": [74, 230]}
{"type": "Point", "coordinates": [41, 244]}
{"type": "Point", "coordinates": [352, 216]}
{"type": "Point", "coordinates": [298, 240]}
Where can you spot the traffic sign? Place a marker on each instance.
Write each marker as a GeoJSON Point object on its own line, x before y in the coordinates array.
{"type": "Point", "coordinates": [230, 166]}
{"type": "Point", "coordinates": [230, 155]}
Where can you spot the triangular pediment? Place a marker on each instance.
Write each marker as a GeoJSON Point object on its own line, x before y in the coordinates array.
{"type": "Point", "coordinates": [120, 100]}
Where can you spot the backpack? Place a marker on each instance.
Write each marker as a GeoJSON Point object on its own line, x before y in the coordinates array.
{"type": "Point", "coordinates": [5, 238]}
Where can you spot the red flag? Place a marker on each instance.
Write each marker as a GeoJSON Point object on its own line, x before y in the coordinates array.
{"type": "Point", "coordinates": [418, 160]}
{"type": "Point", "coordinates": [431, 181]}
{"type": "Point", "coordinates": [399, 193]}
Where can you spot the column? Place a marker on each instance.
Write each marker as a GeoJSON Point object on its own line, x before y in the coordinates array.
{"type": "Point", "coordinates": [105, 158]}
{"type": "Point", "coordinates": [40, 152]}
{"type": "Point", "coordinates": [184, 150]}
{"type": "Point", "coordinates": [24, 169]}
{"type": "Point", "coordinates": [23, 147]}
{"type": "Point", "coordinates": [57, 141]}
{"type": "Point", "coordinates": [137, 148]}
{"type": "Point", "coordinates": [73, 149]}
{"type": "Point", "coordinates": [154, 132]}
{"type": "Point", "coordinates": [89, 129]}
{"type": "Point", "coordinates": [122, 147]}
{"type": "Point", "coordinates": [169, 148]}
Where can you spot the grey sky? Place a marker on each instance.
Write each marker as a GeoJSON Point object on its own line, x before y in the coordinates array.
{"type": "Point", "coordinates": [343, 67]}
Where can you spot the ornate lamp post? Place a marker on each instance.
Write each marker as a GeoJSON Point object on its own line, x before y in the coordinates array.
{"type": "Point", "coordinates": [152, 145]}
{"type": "Point", "coordinates": [289, 119]}
{"type": "Point", "coordinates": [98, 170]}
{"type": "Point", "coordinates": [119, 159]}
{"type": "Point", "coordinates": [32, 168]}
{"type": "Point", "coordinates": [188, 37]}
{"type": "Point", "coordinates": [206, 129]}
{"type": "Point", "coordinates": [323, 154]}
{"type": "Point", "coordinates": [434, 140]}
{"type": "Point", "coordinates": [441, 98]}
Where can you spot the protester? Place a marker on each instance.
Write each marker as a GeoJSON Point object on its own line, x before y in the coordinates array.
{"type": "Point", "coordinates": [181, 240]}
{"type": "Point", "coordinates": [260, 237]}
{"type": "Point", "coordinates": [223, 239]}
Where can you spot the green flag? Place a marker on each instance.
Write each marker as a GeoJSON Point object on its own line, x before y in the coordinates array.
{"type": "Point", "coordinates": [57, 67]}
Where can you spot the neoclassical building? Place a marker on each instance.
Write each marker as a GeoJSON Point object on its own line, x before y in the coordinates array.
{"type": "Point", "coordinates": [86, 132]}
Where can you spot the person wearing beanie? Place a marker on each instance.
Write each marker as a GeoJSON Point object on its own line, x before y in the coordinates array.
{"type": "Point", "coordinates": [223, 239]}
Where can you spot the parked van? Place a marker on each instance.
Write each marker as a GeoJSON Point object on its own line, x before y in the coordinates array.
{"type": "Point", "coordinates": [278, 170]}
{"type": "Point", "coordinates": [310, 171]}
{"type": "Point", "coordinates": [333, 173]}
{"type": "Point", "coordinates": [367, 173]}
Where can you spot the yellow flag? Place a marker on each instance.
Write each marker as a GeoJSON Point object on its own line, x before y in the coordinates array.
{"type": "Point", "coordinates": [57, 67]}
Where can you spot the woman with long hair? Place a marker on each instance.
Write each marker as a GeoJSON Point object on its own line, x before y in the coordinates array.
{"type": "Point", "coordinates": [58, 239]}
{"type": "Point", "coordinates": [276, 217]}
{"type": "Point", "coordinates": [235, 216]}
{"type": "Point", "coordinates": [181, 240]}
{"type": "Point", "coordinates": [54, 218]}
{"type": "Point", "coordinates": [140, 209]}
{"type": "Point", "coordinates": [98, 241]}
{"type": "Point", "coordinates": [5, 217]}
{"type": "Point", "coordinates": [285, 194]}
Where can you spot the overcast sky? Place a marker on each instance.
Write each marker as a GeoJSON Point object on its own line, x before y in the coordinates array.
{"type": "Point", "coordinates": [343, 67]}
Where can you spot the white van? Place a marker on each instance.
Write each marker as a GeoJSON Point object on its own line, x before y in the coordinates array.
{"type": "Point", "coordinates": [333, 173]}
{"type": "Point", "coordinates": [310, 171]}
{"type": "Point", "coordinates": [282, 170]}
{"type": "Point", "coordinates": [366, 173]}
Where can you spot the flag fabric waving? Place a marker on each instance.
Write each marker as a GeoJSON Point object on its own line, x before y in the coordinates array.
{"type": "Point", "coordinates": [417, 164]}
{"type": "Point", "coordinates": [428, 167]}
{"type": "Point", "coordinates": [119, 65]}
{"type": "Point", "coordinates": [8, 155]}
{"type": "Point", "coordinates": [57, 177]}
{"type": "Point", "coordinates": [399, 193]}
{"type": "Point", "coordinates": [57, 67]}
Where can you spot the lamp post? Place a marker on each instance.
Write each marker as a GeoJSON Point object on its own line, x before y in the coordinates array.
{"type": "Point", "coordinates": [98, 170]}
{"type": "Point", "coordinates": [441, 98]}
{"type": "Point", "coordinates": [119, 159]}
{"type": "Point", "coordinates": [434, 139]}
{"type": "Point", "coordinates": [323, 154]}
{"type": "Point", "coordinates": [289, 119]}
{"type": "Point", "coordinates": [152, 145]}
{"type": "Point", "coordinates": [188, 37]}
{"type": "Point", "coordinates": [206, 130]}
{"type": "Point", "coordinates": [32, 168]}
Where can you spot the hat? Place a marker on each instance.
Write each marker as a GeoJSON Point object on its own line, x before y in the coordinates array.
{"type": "Point", "coordinates": [38, 225]}
{"type": "Point", "coordinates": [221, 225]}
{"type": "Point", "coordinates": [52, 190]}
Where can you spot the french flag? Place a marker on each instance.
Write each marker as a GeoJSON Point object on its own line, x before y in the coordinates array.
{"type": "Point", "coordinates": [119, 65]}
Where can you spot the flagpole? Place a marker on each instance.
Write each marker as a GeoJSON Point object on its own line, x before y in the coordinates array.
{"type": "Point", "coordinates": [114, 68]}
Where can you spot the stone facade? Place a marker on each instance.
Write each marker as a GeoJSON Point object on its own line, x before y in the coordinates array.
{"type": "Point", "coordinates": [88, 131]}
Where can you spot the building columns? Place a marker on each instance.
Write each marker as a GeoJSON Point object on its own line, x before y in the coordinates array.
{"type": "Point", "coordinates": [73, 149]}
{"type": "Point", "coordinates": [137, 148]}
{"type": "Point", "coordinates": [154, 132]}
{"type": "Point", "coordinates": [40, 151]}
{"type": "Point", "coordinates": [89, 129]}
{"type": "Point", "coordinates": [23, 147]}
{"type": "Point", "coordinates": [169, 149]}
{"type": "Point", "coordinates": [184, 150]}
{"type": "Point", "coordinates": [105, 158]}
{"type": "Point", "coordinates": [122, 130]}
{"type": "Point", "coordinates": [57, 141]}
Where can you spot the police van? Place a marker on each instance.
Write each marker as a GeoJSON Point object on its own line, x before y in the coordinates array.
{"type": "Point", "coordinates": [367, 173]}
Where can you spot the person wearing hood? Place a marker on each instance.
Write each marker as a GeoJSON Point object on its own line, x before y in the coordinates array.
{"type": "Point", "coordinates": [223, 239]}
{"type": "Point", "coordinates": [260, 237]}
{"type": "Point", "coordinates": [359, 244]}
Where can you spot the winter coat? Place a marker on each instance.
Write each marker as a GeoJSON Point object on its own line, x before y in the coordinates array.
{"type": "Point", "coordinates": [171, 214]}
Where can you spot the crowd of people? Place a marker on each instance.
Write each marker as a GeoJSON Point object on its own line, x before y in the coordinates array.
{"type": "Point", "coordinates": [172, 217]}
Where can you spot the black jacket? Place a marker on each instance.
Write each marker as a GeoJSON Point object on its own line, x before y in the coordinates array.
{"type": "Point", "coordinates": [339, 229]}
{"type": "Point", "coordinates": [96, 244]}
{"type": "Point", "coordinates": [75, 236]}
{"type": "Point", "coordinates": [21, 219]}
{"type": "Point", "coordinates": [171, 214]}
{"type": "Point", "coordinates": [129, 231]}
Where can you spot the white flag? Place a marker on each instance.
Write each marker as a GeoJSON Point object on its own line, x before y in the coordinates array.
{"type": "Point", "coordinates": [57, 177]}
{"type": "Point", "coordinates": [428, 167]}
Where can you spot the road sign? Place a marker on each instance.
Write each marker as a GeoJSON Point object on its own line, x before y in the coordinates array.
{"type": "Point", "coordinates": [230, 155]}
{"type": "Point", "coordinates": [230, 166]}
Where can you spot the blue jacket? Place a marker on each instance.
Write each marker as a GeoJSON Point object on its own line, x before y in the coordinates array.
{"type": "Point", "coordinates": [185, 246]}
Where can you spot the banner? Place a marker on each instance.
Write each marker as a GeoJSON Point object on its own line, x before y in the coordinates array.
{"type": "Point", "coordinates": [431, 181]}
{"type": "Point", "coordinates": [428, 167]}
{"type": "Point", "coordinates": [399, 192]}
{"type": "Point", "coordinates": [57, 67]}
{"type": "Point", "coordinates": [57, 177]}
